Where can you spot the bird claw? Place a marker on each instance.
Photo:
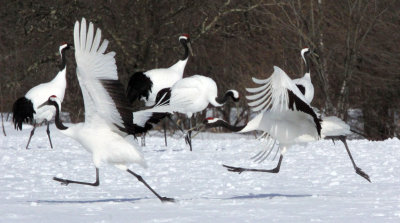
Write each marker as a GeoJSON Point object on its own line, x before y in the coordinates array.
{"type": "Point", "coordinates": [362, 173]}
{"type": "Point", "coordinates": [62, 181]}
{"type": "Point", "coordinates": [167, 199]}
{"type": "Point", "coordinates": [238, 170]}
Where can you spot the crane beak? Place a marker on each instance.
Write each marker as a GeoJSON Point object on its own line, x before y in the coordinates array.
{"type": "Point", "coordinates": [190, 49]}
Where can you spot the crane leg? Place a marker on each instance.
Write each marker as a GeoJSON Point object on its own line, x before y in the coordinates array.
{"type": "Point", "coordinates": [66, 182]}
{"type": "Point", "coordinates": [48, 134]}
{"type": "Point", "coordinates": [240, 169]}
{"type": "Point", "coordinates": [143, 139]}
{"type": "Point", "coordinates": [358, 170]}
{"type": "Point", "coordinates": [165, 132]}
{"type": "Point", "coordinates": [188, 138]}
{"type": "Point", "coordinates": [30, 137]}
{"type": "Point", "coordinates": [162, 199]}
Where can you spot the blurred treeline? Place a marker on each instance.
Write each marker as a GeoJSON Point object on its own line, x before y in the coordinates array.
{"type": "Point", "coordinates": [354, 43]}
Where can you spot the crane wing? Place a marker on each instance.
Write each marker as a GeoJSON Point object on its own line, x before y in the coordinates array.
{"type": "Point", "coordinates": [279, 93]}
{"type": "Point", "coordinates": [102, 92]}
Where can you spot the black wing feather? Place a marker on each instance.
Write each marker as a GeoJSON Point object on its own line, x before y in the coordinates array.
{"type": "Point", "coordinates": [22, 112]}
{"type": "Point", "coordinates": [298, 104]}
{"type": "Point", "coordinates": [301, 88]}
{"type": "Point", "coordinates": [139, 86]}
{"type": "Point", "coordinates": [116, 90]}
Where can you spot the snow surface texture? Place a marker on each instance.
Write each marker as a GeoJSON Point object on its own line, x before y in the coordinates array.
{"type": "Point", "coordinates": [317, 183]}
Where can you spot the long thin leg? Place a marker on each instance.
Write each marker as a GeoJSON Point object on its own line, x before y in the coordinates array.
{"type": "Point", "coordinates": [189, 135]}
{"type": "Point", "coordinates": [176, 124]}
{"type": "Point", "coordinates": [240, 169]}
{"type": "Point", "coordinates": [358, 170]}
{"type": "Point", "coordinates": [30, 137]}
{"type": "Point", "coordinates": [165, 131]}
{"type": "Point", "coordinates": [163, 199]}
{"type": "Point", "coordinates": [48, 134]}
{"type": "Point", "coordinates": [143, 139]}
{"type": "Point", "coordinates": [66, 182]}
{"type": "Point", "coordinates": [180, 128]}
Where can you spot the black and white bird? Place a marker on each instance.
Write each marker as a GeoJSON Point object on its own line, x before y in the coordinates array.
{"type": "Point", "coordinates": [108, 128]}
{"type": "Point", "coordinates": [287, 118]}
{"type": "Point", "coordinates": [145, 85]}
{"type": "Point", "coordinates": [193, 94]}
{"type": "Point", "coordinates": [25, 109]}
{"type": "Point", "coordinates": [304, 83]}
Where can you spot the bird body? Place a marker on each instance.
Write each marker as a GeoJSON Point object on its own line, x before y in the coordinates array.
{"type": "Point", "coordinates": [288, 127]}
{"type": "Point", "coordinates": [193, 94]}
{"type": "Point", "coordinates": [106, 145]}
{"type": "Point", "coordinates": [40, 93]}
{"type": "Point", "coordinates": [164, 78]}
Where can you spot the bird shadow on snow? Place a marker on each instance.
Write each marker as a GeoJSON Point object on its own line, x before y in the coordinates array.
{"type": "Point", "coordinates": [270, 196]}
{"type": "Point", "coordinates": [116, 200]}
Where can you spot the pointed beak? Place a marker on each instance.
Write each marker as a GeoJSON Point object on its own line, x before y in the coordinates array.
{"type": "Point", "coordinates": [190, 48]}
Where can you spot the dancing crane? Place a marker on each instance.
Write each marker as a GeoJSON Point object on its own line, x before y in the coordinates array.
{"type": "Point", "coordinates": [108, 127]}
{"type": "Point", "coordinates": [285, 117]}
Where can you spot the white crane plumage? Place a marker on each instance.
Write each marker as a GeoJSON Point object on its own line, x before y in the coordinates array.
{"type": "Point", "coordinates": [145, 85]}
{"type": "Point", "coordinates": [25, 109]}
{"type": "Point", "coordinates": [304, 83]}
{"type": "Point", "coordinates": [286, 117]}
{"type": "Point", "coordinates": [107, 130]}
{"type": "Point", "coordinates": [193, 94]}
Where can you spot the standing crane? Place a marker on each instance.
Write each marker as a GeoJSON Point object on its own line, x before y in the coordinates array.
{"type": "Point", "coordinates": [25, 109]}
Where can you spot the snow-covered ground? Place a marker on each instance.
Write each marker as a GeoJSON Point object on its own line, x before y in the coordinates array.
{"type": "Point", "coordinates": [317, 183]}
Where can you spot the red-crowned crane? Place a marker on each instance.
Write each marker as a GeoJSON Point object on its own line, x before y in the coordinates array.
{"type": "Point", "coordinates": [145, 85]}
{"type": "Point", "coordinates": [25, 109]}
{"type": "Point", "coordinates": [108, 127]}
{"type": "Point", "coordinates": [287, 118]}
{"type": "Point", "coordinates": [193, 94]}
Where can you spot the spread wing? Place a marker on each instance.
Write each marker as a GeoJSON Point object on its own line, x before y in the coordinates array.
{"type": "Point", "coordinates": [269, 144]}
{"type": "Point", "coordinates": [102, 92]}
{"type": "Point", "coordinates": [280, 93]}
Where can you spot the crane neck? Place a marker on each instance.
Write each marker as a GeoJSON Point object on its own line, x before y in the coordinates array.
{"type": "Point", "coordinates": [222, 100]}
{"type": "Point", "coordinates": [224, 124]}
{"type": "Point", "coordinates": [63, 59]}
{"type": "Point", "coordinates": [306, 58]}
{"type": "Point", "coordinates": [186, 48]}
{"type": "Point", "coordinates": [58, 121]}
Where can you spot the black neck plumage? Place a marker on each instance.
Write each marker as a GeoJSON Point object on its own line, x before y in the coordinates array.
{"type": "Point", "coordinates": [223, 99]}
{"type": "Point", "coordinates": [307, 61]}
{"type": "Point", "coordinates": [184, 44]}
{"type": "Point", "coordinates": [63, 60]}
{"type": "Point", "coordinates": [58, 121]}
{"type": "Point", "coordinates": [224, 124]}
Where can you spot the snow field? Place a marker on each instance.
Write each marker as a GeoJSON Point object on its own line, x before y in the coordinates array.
{"type": "Point", "coordinates": [316, 183]}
